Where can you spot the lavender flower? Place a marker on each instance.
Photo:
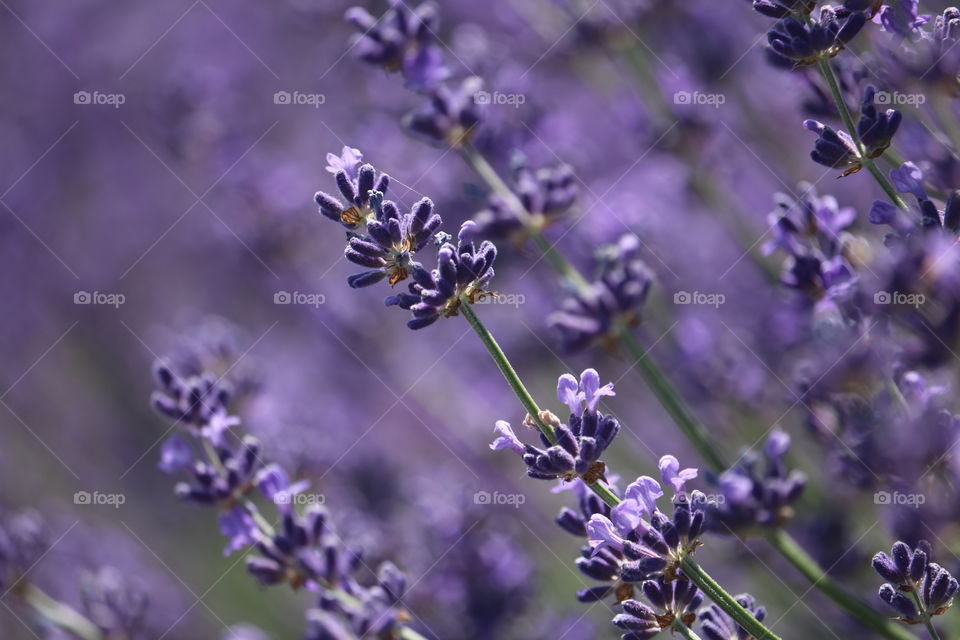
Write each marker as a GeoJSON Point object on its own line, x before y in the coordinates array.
{"type": "Point", "coordinates": [637, 542]}
{"type": "Point", "coordinates": [901, 18]}
{"type": "Point", "coordinates": [910, 571]}
{"type": "Point", "coordinates": [715, 624]}
{"type": "Point", "coordinates": [356, 186]}
{"type": "Point", "coordinates": [610, 304]}
{"type": "Point", "coordinates": [805, 44]}
{"type": "Point", "coordinates": [812, 231]}
{"type": "Point", "coordinates": [463, 272]}
{"type": "Point", "coordinates": [875, 129]}
{"type": "Point", "coordinates": [674, 600]}
{"type": "Point", "coordinates": [392, 241]}
{"type": "Point", "coordinates": [755, 499]}
{"type": "Point", "coordinates": [834, 148]}
{"type": "Point", "coordinates": [580, 442]}
{"type": "Point", "coordinates": [401, 40]}
{"type": "Point", "coordinates": [450, 115]}
{"type": "Point", "coordinates": [546, 194]}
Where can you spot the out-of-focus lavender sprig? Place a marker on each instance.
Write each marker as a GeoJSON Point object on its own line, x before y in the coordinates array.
{"type": "Point", "coordinates": [403, 40]}
{"type": "Point", "coordinates": [757, 498]}
{"type": "Point", "coordinates": [303, 549]}
{"type": "Point", "coordinates": [546, 193]}
{"type": "Point", "coordinates": [611, 304]}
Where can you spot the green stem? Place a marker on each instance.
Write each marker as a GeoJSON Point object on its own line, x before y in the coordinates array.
{"type": "Point", "coordinates": [409, 634]}
{"type": "Point", "coordinates": [500, 358]}
{"type": "Point", "coordinates": [724, 600]}
{"type": "Point", "coordinates": [672, 401]}
{"type": "Point", "coordinates": [684, 630]}
{"type": "Point", "coordinates": [60, 614]}
{"type": "Point", "coordinates": [488, 174]}
{"type": "Point", "coordinates": [823, 64]}
{"type": "Point", "coordinates": [789, 549]}
{"type": "Point", "coordinates": [927, 622]}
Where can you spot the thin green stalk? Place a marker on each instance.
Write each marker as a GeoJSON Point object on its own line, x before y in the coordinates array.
{"type": "Point", "coordinates": [500, 358]}
{"type": "Point", "coordinates": [672, 401]}
{"type": "Point", "coordinates": [684, 630]}
{"type": "Point", "coordinates": [724, 600]}
{"type": "Point", "coordinates": [59, 614]}
{"type": "Point", "coordinates": [826, 71]}
{"type": "Point", "coordinates": [789, 549]}
{"type": "Point", "coordinates": [927, 622]}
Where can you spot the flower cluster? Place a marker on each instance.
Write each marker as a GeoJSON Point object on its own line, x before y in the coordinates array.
{"type": "Point", "coordinates": [836, 149]}
{"type": "Point", "coordinates": [674, 600]}
{"type": "Point", "coordinates": [611, 304]}
{"type": "Point", "coordinates": [304, 551]}
{"type": "Point", "coordinates": [463, 272]}
{"type": "Point", "coordinates": [637, 541]}
{"type": "Point", "coordinates": [910, 571]}
{"type": "Point", "coordinates": [752, 498]}
{"type": "Point", "coordinates": [806, 43]}
{"type": "Point", "coordinates": [715, 624]}
{"type": "Point", "coordinates": [392, 240]}
{"type": "Point", "coordinates": [579, 443]}
{"type": "Point", "coordinates": [450, 116]}
{"type": "Point", "coordinates": [908, 180]}
{"type": "Point", "coordinates": [404, 40]}
{"type": "Point", "coordinates": [546, 194]}
{"type": "Point", "coordinates": [812, 231]}
{"type": "Point", "coordinates": [356, 183]}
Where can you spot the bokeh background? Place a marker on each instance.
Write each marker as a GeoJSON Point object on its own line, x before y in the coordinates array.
{"type": "Point", "coordinates": [193, 201]}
